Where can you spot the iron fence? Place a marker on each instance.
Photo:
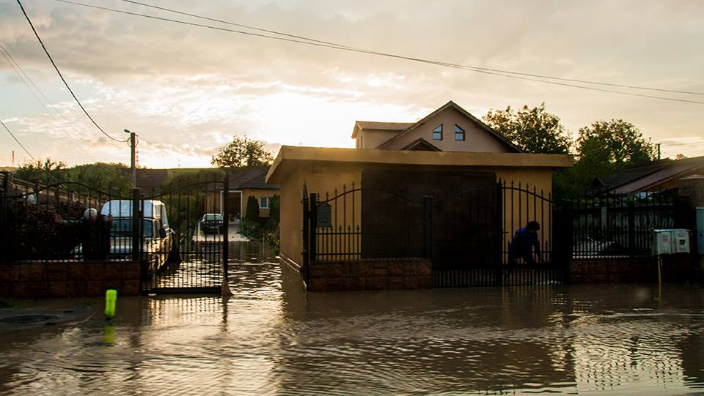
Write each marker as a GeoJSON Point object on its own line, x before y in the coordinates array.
{"type": "Point", "coordinates": [46, 222]}
{"type": "Point", "coordinates": [606, 225]}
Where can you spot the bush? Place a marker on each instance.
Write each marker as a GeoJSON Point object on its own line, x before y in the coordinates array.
{"type": "Point", "coordinates": [275, 209]}
{"type": "Point", "coordinates": [252, 213]}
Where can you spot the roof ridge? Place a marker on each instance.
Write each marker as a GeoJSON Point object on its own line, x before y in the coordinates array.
{"type": "Point", "coordinates": [462, 111]}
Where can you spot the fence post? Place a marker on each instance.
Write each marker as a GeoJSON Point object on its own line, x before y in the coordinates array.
{"type": "Point", "coordinates": [631, 228]}
{"type": "Point", "coordinates": [226, 228]}
{"type": "Point", "coordinates": [498, 233]}
{"type": "Point", "coordinates": [428, 227]}
{"type": "Point", "coordinates": [306, 239]}
{"type": "Point", "coordinates": [136, 227]}
{"type": "Point", "coordinates": [313, 251]}
{"type": "Point", "coordinates": [566, 232]}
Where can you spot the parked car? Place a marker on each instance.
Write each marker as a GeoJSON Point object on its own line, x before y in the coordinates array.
{"type": "Point", "coordinates": [212, 223]}
{"type": "Point", "coordinates": [593, 247]}
{"type": "Point", "coordinates": [159, 245]}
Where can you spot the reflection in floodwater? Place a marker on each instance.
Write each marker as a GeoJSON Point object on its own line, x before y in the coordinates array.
{"type": "Point", "coordinates": [273, 338]}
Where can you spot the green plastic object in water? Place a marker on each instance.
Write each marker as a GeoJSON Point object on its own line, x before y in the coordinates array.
{"type": "Point", "coordinates": [110, 300]}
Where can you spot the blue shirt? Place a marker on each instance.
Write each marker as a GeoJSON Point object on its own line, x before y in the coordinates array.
{"type": "Point", "coordinates": [523, 241]}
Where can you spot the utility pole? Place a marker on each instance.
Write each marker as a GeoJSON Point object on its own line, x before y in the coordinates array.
{"type": "Point", "coordinates": [133, 157]}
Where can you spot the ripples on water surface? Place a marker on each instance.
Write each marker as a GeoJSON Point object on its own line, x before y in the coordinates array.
{"type": "Point", "coordinates": [272, 338]}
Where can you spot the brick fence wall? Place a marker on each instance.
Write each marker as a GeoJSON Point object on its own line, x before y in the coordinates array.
{"type": "Point", "coordinates": [377, 274]}
{"type": "Point", "coordinates": [675, 268]}
{"type": "Point", "coordinates": [68, 279]}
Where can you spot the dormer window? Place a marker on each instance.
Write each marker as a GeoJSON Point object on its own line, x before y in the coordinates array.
{"type": "Point", "coordinates": [459, 133]}
{"type": "Point", "coordinates": [437, 132]}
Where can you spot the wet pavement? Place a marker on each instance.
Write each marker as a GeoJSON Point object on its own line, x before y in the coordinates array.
{"type": "Point", "coordinates": [273, 338]}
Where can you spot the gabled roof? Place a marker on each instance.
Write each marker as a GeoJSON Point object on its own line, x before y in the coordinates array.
{"type": "Point", "coordinates": [151, 177]}
{"type": "Point", "coordinates": [420, 144]}
{"type": "Point", "coordinates": [646, 177]}
{"type": "Point", "coordinates": [462, 111]}
{"type": "Point", "coordinates": [380, 126]}
{"type": "Point", "coordinates": [674, 170]}
{"type": "Point", "coordinates": [252, 179]}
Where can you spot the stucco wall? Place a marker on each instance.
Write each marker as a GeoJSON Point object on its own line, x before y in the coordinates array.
{"type": "Point", "coordinates": [258, 194]}
{"type": "Point", "coordinates": [371, 138]}
{"type": "Point", "coordinates": [212, 204]}
{"type": "Point", "coordinates": [321, 177]}
{"type": "Point", "coordinates": [476, 139]}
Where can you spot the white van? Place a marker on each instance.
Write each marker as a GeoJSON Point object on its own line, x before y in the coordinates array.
{"type": "Point", "coordinates": [157, 236]}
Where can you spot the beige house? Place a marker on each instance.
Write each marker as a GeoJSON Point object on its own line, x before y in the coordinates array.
{"type": "Point", "coordinates": [249, 183]}
{"type": "Point", "coordinates": [411, 201]}
{"type": "Point", "coordinates": [449, 128]}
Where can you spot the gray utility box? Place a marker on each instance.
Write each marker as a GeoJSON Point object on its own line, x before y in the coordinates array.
{"type": "Point", "coordinates": [670, 241]}
{"type": "Point", "coordinates": [700, 230]}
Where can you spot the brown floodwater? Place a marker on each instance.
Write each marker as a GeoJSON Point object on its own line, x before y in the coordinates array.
{"type": "Point", "coordinates": [273, 338]}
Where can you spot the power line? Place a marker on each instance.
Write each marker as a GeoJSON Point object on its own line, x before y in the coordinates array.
{"type": "Point", "coordinates": [10, 60]}
{"type": "Point", "coordinates": [681, 144]}
{"type": "Point", "coordinates": [158, 148]}
{"type": "Point", "coordinates": [18, 142]}
{"type": "Point", "coordinates": [475, 68]}
{"type": "Point", "coordinates": [27, 151]}
{"type": "Point", "coordinates": [388, 55]}
{"type": "Point", "coordinates": [62, 77]}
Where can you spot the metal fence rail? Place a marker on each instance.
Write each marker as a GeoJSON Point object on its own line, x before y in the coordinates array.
{"type": "Point", "coordinates": [46, 222]}
{"type": "Point", "coordinates": [605, 224]}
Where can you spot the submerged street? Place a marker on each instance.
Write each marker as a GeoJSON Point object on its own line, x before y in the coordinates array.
{"type": "Point", "coordinates": [273, 338]}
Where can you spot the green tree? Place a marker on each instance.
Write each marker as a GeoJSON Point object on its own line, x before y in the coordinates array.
{"type": "Point", "coordinates": [242, 152]}
{"type": "Point", "coordinates": [275, 209]}
{"type": "Point", "coordinates": [618, 141]}
{"type": "Point", "coordinates": [110, 178]}
{"type": "Point", "coordinates": [48, 172]}
{"type": "Point", "coordinates": [603, 149]}
{"type": "Point", "coordinates": [252, 213]}
{"type": "Point", "coordinates": [532, 130]}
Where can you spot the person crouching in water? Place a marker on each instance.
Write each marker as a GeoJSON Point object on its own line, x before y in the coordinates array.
{"type": "Point", "coordinates": [524, 241]}
{"type": "Point", "coordinates": [94, 231]}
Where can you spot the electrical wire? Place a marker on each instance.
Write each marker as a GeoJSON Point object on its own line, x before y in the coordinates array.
{"type": "Point", "coordinates": [382, 54]}
{"type": "Point", "coordinates": [15, 67]}
{"type": "Point", "coordinates": [681, 144]}
{"type": "Point", "coordinates": [449, 64]}
{"type": "Point", "coordinates": [16, 140]}
{"type": "Point", "coordinates": [62, 77]}
{"type": "Point", "coordinates": [27, 151]}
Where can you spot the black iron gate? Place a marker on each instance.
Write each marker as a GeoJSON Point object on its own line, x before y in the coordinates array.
{"type": "Point", "coordinates": [465, 222]}
{"type": "Point", "coordinates": [184, 244]}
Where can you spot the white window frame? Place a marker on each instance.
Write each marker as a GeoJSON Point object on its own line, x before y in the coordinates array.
{"type": "Point", "coordinates": [268, 202]}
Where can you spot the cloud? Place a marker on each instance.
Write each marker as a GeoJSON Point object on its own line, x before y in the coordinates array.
{"type": "Point", "coordinates": [177, 85]}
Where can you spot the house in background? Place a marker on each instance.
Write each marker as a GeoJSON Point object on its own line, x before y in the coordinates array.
{"type": "Point", "coordinates": [249, 183]}
{"type": "Point", "coordinates": [659, 175]}
{"type": "Point", "coordinates": [410, 204]}
{"type": "Point", "coordinates": [151, 180]}
{"type": "Point", "coordinates": [449, 128]}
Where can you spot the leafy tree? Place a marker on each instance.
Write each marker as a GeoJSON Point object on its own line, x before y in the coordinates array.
{"type": "Point", "coordinates": [252, 213]}
{"type": "Point", "coordinates": [48, 172]}
{"type": "Point", "coordinates": [532, 130]}
{"type": "Point", "coordinates": [110, 178]}
{"type": "Point", "coordinates": [617, 141]}
{"type": "Point", "coordinates": [242, 152]}
{"type": "Point", "coordinates": [603, 149]}
{"type": "Point", "coordinates": [275, 209]}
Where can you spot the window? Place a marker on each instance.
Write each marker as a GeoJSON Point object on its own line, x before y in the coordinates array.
{"type": "Point", "coordinates": [459, 133]}
{"type": "Point", "coordinates": [263, 202]}
{"type": "Point", "coordinates": [437, 132]}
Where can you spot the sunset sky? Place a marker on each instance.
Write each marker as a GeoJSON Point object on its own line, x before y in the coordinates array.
{"type": "Point", "coordinates": [187, 90]}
